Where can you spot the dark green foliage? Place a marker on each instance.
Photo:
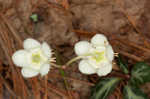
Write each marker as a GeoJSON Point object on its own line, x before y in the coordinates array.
{"type": "Point", "coordinates": [104, 87]}
{"type": "Point", "coordinates": [131, 92]}
{"type": "Point", "coordinates": [122, 64]}
{"type": "Point", "coordinates": [140, 74]}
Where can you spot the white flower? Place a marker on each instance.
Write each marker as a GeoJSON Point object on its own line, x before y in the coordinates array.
{"type": "Point", "coordinates": [97, 55]}
{"type": "Point", "coordinates": [34, 58]}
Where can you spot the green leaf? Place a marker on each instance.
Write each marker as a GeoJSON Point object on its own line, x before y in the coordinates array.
{"type": "Point", "coordinates": [122, 64]}
{"type": "Point", "coordinates": [104, 87]}
{"type": "Point", "coordinates": [140, 74]}
{"type": "Point", "coordinates": [131, 92]}
{"type": "Point", "coordinates": [34, 17]}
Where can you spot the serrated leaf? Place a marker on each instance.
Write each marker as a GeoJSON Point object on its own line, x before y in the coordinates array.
{"type": "Point", "coordinates": [104, 87]}
{"type": "Point", "coordinates": [131, 92]}
{"type": "Point", "coordinates": [122, 64]}
{"type": "Point", "coordinates": [140, 74]}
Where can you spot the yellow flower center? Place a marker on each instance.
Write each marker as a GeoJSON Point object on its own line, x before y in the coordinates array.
{"type": "Point", "coordinates": [98, 56]}
{"type": "Point", "coordinates": [36, 58]}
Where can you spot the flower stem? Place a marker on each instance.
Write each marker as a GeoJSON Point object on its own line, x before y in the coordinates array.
{"type": "Point", "coordinates": [73, 60]}
{"type": "Point", "coordinates": [55, 65]}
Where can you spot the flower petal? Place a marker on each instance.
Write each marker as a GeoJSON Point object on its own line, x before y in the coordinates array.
{"type": "Point", "coordinates": [46, 49]}
{"type": "Point", "coordinates": [20, 58]}
{"type": "Point", "coordinates": [30, 43]}
{"type": "Point", "coordinates": [99, 39]}
{"type": "Point", "coordinates": [28, 73]}
{"type": "Point", "coordinates": [109, 53]}
{"type": "Point", "coordinates": [100, 48]}
{"type": "Point", "coordinates": [105, 69]}
{"type": "Point", "coordinates": [85, 67]}
{"type": "Point", "coordinates": [82, 47]}
{"type": "Point", "coordinates": [45, 69]}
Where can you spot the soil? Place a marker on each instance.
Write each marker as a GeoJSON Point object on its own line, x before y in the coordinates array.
{"type": "Point", "coordinates": [62, 23]}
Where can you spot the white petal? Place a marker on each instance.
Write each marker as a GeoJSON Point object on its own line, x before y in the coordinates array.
{"type": "Point", "coordinates": [30, 43]}
{"type": "Point", "coordinates": [35, 66]}
{"type": "Point", "coordinates": [109, 53]}
{"type": "Point", "coordinates": [46, 49]}
{"type": "Point", "coordinates": [20, 58]}
{"type": "Point", "coordinates": [105, 69]}
{"type": "Point", "coordinates": [86, 68]}
{"type": "Point", "coordinates": [99, 39]}
{"type": "Point", "coordinates": [82, 47]}
{"type": "Point", "coordinates": [27, 72]}
{"type": "Point", "coordinates": [45, 69]}
{"type": "Point", "coordinates": [100, 48]}
{"type": "Point", "coordinates": [93, 63]}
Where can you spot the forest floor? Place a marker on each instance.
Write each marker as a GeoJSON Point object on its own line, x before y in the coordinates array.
{"type": "Point", "coordinates": [62, 23]}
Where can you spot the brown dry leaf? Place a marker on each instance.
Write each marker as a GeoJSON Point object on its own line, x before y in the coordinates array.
{"type": "Point", "coordinates": [5, 4]}
{"type": "Point", "coordinates": [96, 17]}
{"type": "Point", "coordinates": [62, 29]}
{"type": "Point", "coordinates": [54, 24]}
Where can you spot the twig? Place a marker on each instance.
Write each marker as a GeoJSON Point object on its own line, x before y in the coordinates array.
{"type": "Point", "coordinates": [130, 55]}
{"type": "Point", "coordinates": [1, 90]}
{"type": "Point", "coordinates": [54, 5]}
{"type": "Point", "coordinates": [67, 85]}
{"type": "Point", "coordinates": [13, 31]}
{"type": "Point", "coordinates": [8, 87]}
{"type": "Point", "coordinates": [7, 53]}
{"type": "Point", "coordinates": [35, 87]}
{"type": "Point", "coordinates": [1, 84]}
{"type": "Point", "coordinates": [73, 79]}
{"type": "Point", "coordinates": [45, 95]}
{"type": "Point", "coordinates": [54, 89]}
{"type": "Point", "coordinates": [131, 21]}
{"type": "Point", "coordinates": [6, 44]}
{"type": "Point", "coordinates": [133, 45]}
{"type": "Point", "coordinates": [84, 32]}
